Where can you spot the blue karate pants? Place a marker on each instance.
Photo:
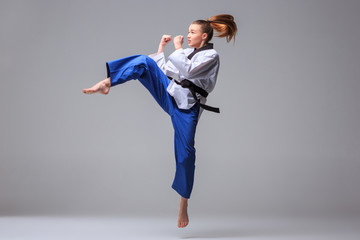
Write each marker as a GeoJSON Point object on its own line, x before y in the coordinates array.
{"type": "Point", "coordinates": [146, 70]}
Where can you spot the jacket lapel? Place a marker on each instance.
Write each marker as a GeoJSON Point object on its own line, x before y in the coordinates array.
{"type": "Point", "coordinates": [206, 47]}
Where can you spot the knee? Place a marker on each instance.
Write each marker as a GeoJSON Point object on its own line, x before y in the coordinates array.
{"type": "Point", "coordinates": [143, 58]}
{"type": "Point", "coordinates": [186, 158]}
{"type": "Point", "coordinates": [147, 61]}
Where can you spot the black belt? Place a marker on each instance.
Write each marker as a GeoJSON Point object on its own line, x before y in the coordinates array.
{"type": "Point", "coordinates": [195, 89]}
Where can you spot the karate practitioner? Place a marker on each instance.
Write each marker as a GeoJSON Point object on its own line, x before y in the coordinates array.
{"type": "Point", "coordinates": [180, 86]}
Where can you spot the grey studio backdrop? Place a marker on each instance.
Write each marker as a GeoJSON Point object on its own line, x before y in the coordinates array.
{"type": "Point", "coordinates": [286, 141]}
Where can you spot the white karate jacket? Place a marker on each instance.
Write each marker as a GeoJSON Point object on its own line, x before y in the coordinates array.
{"type": "Point", "coordinates": [202, 70]}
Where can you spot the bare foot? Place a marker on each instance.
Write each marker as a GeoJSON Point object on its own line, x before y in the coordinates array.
{"type": "Point", "coordinates": [183, 219]}
{"type": "Point", "coordinates": [102, 87]}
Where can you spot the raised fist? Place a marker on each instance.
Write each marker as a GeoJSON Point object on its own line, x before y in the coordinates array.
{"type": "Point", "coordinates": [178, 41]}
{"type": "Point", "coordinates": [165, 40]}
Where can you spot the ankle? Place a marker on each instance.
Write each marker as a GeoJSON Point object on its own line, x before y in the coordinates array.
{"type": "Point", "coordinates": [184, 202]}
{"type": "Point", "coordinates": [107, 82]}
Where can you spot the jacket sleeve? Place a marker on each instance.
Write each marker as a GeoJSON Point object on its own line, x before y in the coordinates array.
{"type": "Point", "coordinates": [167, 67]}
{"type": "Point", "coordinates": [197, 65]}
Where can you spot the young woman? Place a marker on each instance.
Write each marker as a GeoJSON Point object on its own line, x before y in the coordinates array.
{"type": "Point", "coordinates": [180, 86]}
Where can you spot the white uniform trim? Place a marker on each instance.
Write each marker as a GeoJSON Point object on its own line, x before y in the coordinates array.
{"type": "Point", "coordinates": [202, 70]}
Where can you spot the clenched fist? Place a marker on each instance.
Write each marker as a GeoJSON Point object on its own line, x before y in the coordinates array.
{"type": "Point", "coordinates": [178, 41]}
{"type": "Point", "coordinates": [165, 40]}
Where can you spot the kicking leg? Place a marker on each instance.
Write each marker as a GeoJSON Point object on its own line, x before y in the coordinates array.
{"type": "Point", "coordinates": [139, 67]}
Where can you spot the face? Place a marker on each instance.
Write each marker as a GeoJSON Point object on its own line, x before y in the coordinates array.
{"type": "Point", "coordinates": [196, 38]}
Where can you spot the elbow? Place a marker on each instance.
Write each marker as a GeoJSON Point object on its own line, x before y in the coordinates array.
{"type": "Point", "coordinates": [187, 73]}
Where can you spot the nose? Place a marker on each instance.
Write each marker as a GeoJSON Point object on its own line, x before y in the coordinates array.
{"type": "Point", "coordinates": [188, 36]}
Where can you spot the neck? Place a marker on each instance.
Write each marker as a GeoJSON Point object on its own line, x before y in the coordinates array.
{"type": "Point", "coordinates": [201, 45]}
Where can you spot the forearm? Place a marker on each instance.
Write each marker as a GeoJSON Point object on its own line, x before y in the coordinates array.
{"type": "Point", "coordinates": [160, 49]}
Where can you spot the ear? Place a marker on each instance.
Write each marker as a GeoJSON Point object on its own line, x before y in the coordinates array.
{"type": "Point", "coordinates": [204, 36]}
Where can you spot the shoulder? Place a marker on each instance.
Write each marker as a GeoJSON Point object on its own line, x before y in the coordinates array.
{"type": "Point", "coordinates": [187, 51]}
{"type": "Point", "coordinates": [206, 54]}
{"type": "Point", "coordinates": [211, 52]}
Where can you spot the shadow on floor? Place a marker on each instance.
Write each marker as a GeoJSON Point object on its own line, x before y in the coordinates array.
{"type": "Point", "coordinates": [247, 232]}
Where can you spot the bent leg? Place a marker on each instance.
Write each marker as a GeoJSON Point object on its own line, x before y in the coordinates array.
{"type": "Point", "coordinates": [146, 70]}
{"type": "Point", "coordinates": [184, 122]}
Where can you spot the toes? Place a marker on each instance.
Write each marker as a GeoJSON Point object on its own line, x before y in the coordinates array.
{"type": "Point", "coordinates": [180, 224]}
{"type": "Point", "coordinates": [88, 91]}
{"type": "Point", "coordinates": [183, 224]}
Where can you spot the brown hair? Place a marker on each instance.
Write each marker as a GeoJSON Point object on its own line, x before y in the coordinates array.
{"type": "Point", "coordinates": [223, 24]}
